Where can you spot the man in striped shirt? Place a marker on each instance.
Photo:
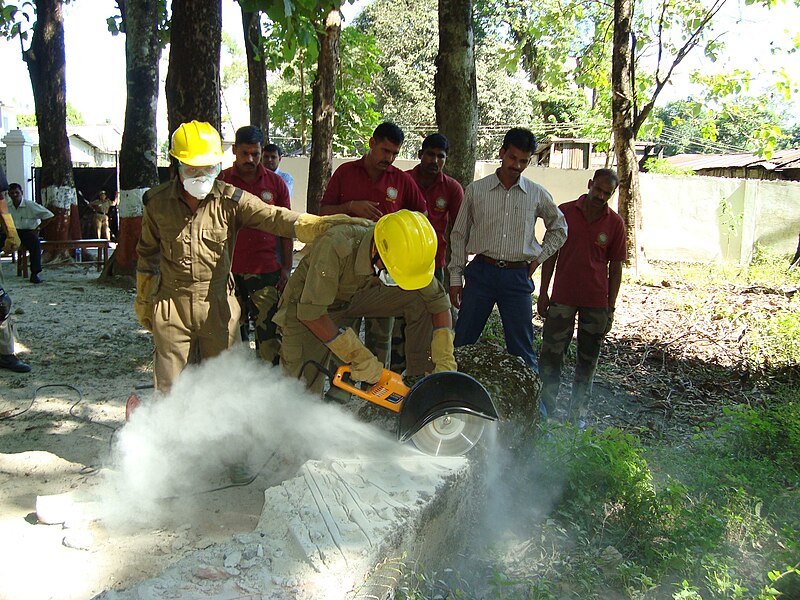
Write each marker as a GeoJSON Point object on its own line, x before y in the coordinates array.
{"type": "Point", "coordinates": [496, 224]}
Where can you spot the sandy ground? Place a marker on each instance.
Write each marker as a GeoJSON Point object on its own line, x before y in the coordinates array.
{"type": "Point", "coordinates": [57, 425]}
{"type": "Point", "coordinates": [90, 503]}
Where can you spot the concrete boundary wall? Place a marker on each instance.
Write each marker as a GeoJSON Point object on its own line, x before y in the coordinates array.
{"type": "Point", "coordinates": [689, 218]}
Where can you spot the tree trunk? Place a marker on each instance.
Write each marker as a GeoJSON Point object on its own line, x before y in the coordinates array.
{"type": "Point", "coordinates": [138, 156]}
{"type": "Point", "coordinates": [456, 89]}
{"type": "Point", "coordinates": [324, 93]}
{"type": "Point", "coordinates": [47, 65]}
{"type": "Point", "coordinates": [192, 87]}
{"type": "Point", "coordinates": [256, 71]}
{"type": "Point", "coordinates": [630, 197]}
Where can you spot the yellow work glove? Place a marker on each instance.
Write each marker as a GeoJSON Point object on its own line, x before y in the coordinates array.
{"type": "Point", "coordinates": [12, 237]}
{"type": "Point", "coordinates": [146, 285]}
{"type": "Point", "coordinates": [309, 227]}
{"type": "Point", "coordinates": [364, 366]}
{"type": "Point", "coordinates": [442, 350]}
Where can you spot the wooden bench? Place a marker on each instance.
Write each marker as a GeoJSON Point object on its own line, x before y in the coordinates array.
{"type": "Point", "coordinates": [99, 245]}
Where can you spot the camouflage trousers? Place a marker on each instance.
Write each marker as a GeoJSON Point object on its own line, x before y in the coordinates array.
{"type": "Point", "coordinates": [556, 336]}
{"type": "Point", "coordinates": [258, 297]}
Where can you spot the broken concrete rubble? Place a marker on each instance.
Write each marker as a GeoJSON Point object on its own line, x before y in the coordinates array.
{"type": "Point", "coordinates": [346, 528]}
{"type": "Point", "coordinates": [322, 532]}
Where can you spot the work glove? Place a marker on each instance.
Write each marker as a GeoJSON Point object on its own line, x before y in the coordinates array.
{"type": "Point", "coordinates": [364, 366]}
{"type": "Point", "coordinates": [146, 285]}
{"type": "Point", "coordinates": [12, 237]}
{"type": "Point", "coordinates": [309, 227]}
{"type": "Point", "coordinates": [442, 350]}
{"type": "Point", "coordinates": [609, 322]}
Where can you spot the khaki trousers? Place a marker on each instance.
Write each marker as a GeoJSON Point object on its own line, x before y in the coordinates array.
{"type": "Point", "coordinates": [6, 329]}
{"type": "Point", "coordinates": [190, 327]}
{"type": "Point", "coordinates": [300, 346]}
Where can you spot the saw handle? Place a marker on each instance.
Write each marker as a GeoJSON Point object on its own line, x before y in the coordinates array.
{"type": "Point", "coordinates": [389, 392]}
{"type": "Point", "coordinates": [343, 379]}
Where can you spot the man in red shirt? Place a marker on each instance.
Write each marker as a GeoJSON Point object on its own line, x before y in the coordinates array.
{"type": "Point", "coordinates": [443, 197]}
{"type": "Point", "coordinates": [443, 194]}
{"type": "Point", "coordinates": [371, 187]}
{"type": "Point", "coordinates": [262, 262]}
{"type": "Point", "coordinates": [588, 269]}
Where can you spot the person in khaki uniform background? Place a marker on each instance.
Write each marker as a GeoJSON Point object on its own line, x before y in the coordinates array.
{"type": "Point", "coordinates": [185, 293]}
{"type": "Point", "coordinates": [382, 270]}
{"type": "Point", "coordinates": [101, 205]}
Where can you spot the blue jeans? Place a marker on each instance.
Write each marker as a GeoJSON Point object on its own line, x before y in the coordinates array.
{"type": "Point", "coordinates": [486, 285]}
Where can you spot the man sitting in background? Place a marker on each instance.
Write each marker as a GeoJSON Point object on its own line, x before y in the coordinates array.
{"type": "Point", "coordinates": [28, 216]}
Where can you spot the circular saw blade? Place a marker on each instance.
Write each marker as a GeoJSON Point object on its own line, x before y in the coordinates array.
{"type": "Point", "coordinates": [449, 435]}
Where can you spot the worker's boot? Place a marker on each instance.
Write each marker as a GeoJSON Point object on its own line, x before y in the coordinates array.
{"type": "Point", "coordinates": [12, 363]}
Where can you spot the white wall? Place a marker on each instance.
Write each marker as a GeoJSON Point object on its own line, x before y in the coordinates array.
{"type": "Point", "coordinates": [682, 216]}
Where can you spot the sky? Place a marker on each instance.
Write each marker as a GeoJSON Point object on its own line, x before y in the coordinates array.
{"type": "Point", "coordinates": [96, 59]}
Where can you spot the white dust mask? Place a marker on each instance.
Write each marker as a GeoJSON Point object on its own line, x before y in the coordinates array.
{"type": "Point", "coordinates": [386, 279]}
{"type": "Point", "coordinates": [199, 187]}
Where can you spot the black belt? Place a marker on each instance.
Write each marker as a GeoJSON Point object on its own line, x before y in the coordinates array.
{"type": "Point", "coordinates": [503, 264]}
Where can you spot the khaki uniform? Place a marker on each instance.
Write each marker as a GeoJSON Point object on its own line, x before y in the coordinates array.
{"type": "Point", "coordinates": [100, 219]}
{"type": "Point", "coordinates": [196, 313]}
{"type": "Point", "coordinates": [337, 278]}
{"type": "Point", "coordinates": [6, 329]}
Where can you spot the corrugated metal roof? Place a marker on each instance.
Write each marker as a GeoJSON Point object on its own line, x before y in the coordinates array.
{"type": "Point", "coordinates": [781, 159]}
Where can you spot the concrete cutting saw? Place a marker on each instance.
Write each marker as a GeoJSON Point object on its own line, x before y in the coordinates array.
{"type": "Point", "coordinates": [443, 414]}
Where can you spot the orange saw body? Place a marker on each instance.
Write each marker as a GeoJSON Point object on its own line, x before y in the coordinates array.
{"type": "Point", "coordinates": [443, 414]}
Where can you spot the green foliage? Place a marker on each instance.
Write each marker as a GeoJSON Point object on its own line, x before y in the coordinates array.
{"type": "Point", "coordinates": [659, 165]}
{"type": "Point", "coordinates": [356, 116]}
{"type": "Point", "coordinates": [771, 434]}
{"type": "Point", "coordinates": [74, 117]}
{"type": "Point", "coordinates": [26, 120]}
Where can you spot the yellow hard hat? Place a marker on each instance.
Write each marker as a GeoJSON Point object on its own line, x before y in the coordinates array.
{"type": "Point", "coordinates": [406, 243]}
{"type": "Point", "coordinates": [197, 144]}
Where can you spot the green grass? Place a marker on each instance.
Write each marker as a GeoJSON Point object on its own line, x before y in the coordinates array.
{"type": "Point", "coordinates": [714, 517]}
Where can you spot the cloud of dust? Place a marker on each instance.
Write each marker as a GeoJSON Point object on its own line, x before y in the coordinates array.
{"type": "Point", "coordinates": [233, 409]}
{"type": "Point", "coordinates": [521, 490]}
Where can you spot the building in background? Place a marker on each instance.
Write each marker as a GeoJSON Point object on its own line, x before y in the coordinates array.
{"type": "Point", "coordinates": [783, 165]}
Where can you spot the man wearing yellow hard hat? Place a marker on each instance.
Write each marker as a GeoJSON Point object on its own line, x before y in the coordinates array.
{"type": "Point", "coordinates": [184, 289]}
{"type": "Point", "coordinates": [383, 269]}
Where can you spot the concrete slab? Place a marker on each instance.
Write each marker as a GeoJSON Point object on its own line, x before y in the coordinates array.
{"type": "Point", "coordinates": [323, 532]}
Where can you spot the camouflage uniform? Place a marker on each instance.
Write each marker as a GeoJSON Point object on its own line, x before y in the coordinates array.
{"type": "Point", "coordinates": [556, 336]}
{"type": "Point", "coordinates": [258, 295]}
{"type": "Point", "coordinates": [196, 312]}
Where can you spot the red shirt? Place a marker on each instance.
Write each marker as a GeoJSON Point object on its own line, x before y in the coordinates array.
{"type": "Point", "coordinates": [443, 197]}
{"type": "Point", "coordinates": [395, 189]}
{"type": "Point", "coordinates": [255, 251]}
{"type": "Point", "coordinates": [581, 277]}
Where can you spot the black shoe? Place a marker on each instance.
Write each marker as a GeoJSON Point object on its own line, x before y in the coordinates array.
{"type": "Point", "coordinates": [12, 363]}
{"type": "Point", "coordinates": [35, 278]}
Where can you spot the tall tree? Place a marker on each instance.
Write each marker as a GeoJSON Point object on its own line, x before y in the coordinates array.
{"type": "Point", "coordinates": [256, 70]}
{"type": "Point", "coordinates": [677, 29]}
{"type": "Point", "coordinates": [622, 108]}
{"type": "Point", "coordinates": [143, 22]}
{"type": "Point", "coordinates": [46, 63]}
{"type": "Point", "coordinates": [310, 30]}
{"type": "Point", "coordinates": [193, 76]}
{"type": "Point", "coordinates": [324, 94]}
{"type": "Point", "coordinates": [354, 103]}
{"type": "Point", "coordinates": [456, 87]}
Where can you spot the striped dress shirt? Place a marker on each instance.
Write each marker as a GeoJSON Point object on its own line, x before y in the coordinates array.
{"type": "Point", "coordinates": [499, 223]}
